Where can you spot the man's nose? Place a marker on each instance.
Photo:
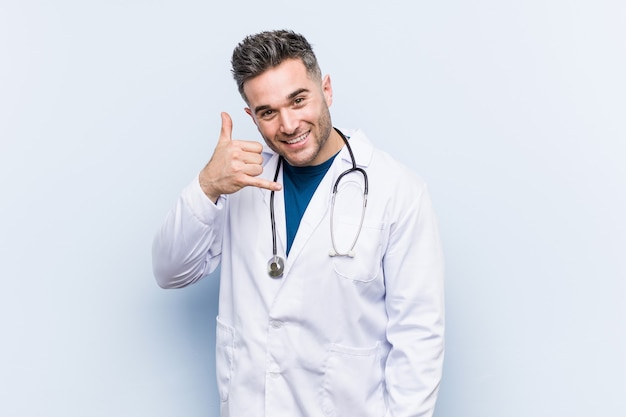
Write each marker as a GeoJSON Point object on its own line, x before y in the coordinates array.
{"type": "Point", "coordinates": [288, 122]}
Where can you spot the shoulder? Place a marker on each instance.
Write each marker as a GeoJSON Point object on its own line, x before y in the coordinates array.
{"type": "Point", "coordinates": [382, 166]}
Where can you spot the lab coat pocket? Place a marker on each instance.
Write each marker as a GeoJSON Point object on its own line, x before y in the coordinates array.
{"type": "Point", "coordinates": [365, 264]}
{"type": "Point", "coordinates": [224, 351]}
{"type": "Point", "coordinates": [353, 382]}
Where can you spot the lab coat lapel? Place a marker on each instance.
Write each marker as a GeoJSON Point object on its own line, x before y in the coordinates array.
{"type": "Point", "coordinates": [314, 213]}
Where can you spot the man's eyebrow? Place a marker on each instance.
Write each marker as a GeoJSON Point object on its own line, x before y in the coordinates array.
{"type": "Point", "coordinates": [297, 93]}
{"type": "Point", "coordinates": [291, 96]}
{"type": "Point", "coordinates": [259, 109]}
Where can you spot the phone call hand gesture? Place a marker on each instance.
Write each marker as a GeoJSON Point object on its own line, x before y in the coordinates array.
{"type": "Point", "coordinates": [235, 164]}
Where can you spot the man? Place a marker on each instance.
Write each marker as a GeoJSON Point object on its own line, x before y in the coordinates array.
{"type": "Point", "coordinates": [346, 318]}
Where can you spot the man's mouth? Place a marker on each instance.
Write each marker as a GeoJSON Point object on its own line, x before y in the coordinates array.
{"type": "Point", "coordinates": [297, 139]}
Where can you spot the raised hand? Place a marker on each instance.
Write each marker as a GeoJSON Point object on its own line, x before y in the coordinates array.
{"type": "Point", "coordinates": [235, 164]}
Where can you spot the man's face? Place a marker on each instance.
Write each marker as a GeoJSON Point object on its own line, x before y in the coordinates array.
{"type": "Point", "coordinates": [290, 109]}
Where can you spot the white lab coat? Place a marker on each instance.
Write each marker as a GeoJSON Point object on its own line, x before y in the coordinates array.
{"type": "Point", "coordinates": [335, 336]}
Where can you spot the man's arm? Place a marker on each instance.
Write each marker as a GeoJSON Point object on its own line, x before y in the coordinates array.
{"type": "Point", "coordinates": [188, 246]}
{"type": "Point", "coordinates": [415, 306]}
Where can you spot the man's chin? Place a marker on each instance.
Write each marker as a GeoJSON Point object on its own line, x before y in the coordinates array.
{"type": "Point", "coordinates": [297, 160]}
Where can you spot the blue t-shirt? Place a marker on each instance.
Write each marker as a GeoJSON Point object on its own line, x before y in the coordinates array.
{"type": "Point", "coordinates": [300, 184]}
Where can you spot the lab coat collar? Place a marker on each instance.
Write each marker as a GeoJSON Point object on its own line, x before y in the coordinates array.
{"type": "Point", "coordinates": [361, 147]}
{"type": "Point", "coordinates": [270, 161]}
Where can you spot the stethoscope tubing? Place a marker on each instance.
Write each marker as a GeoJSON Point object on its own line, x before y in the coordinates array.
{"type": "Point", "coordinates": [276, 264]}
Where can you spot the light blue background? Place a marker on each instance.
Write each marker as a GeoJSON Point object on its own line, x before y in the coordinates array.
{"type": "Point", "coordinates": [513, 111]}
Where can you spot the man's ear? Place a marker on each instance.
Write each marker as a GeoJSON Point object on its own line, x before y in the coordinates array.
{"type": "Point", "coordinates": [247, 110]}
{"type": "Point", "coordinates": [327, 89]}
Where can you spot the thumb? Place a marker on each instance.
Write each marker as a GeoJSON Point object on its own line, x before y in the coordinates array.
{"type": "Point", "coordinates": [226, 134]}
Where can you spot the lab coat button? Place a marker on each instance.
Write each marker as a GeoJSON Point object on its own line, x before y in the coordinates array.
{"type": "Point", "coordinates": [274, 374]}
{"type": "Point", "coordinates": [277, 324]}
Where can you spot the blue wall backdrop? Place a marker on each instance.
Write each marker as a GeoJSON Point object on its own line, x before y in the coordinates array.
{"type": "Point", "coordinates": [513, 111]}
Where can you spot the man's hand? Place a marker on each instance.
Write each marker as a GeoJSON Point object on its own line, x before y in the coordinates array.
{"type": "Point", "coordinates": [235, 164]}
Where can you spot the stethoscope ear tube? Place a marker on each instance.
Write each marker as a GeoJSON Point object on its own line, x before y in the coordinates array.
{"type": "Point", "coordinates": [350, 252]}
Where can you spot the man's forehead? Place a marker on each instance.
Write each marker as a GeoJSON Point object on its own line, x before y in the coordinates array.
{"type": "Point", "coordinates": [278, 83]}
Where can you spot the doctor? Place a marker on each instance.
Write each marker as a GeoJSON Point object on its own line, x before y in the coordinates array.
{"type": "Point", "coordinates": [331, 292]}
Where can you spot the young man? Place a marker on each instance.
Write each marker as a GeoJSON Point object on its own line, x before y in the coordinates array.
{"type": "Point", "coordinates": [331, 287]}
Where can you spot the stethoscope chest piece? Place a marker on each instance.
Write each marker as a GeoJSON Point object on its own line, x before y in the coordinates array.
{"type": "Point", "coordinates": [276, 267]}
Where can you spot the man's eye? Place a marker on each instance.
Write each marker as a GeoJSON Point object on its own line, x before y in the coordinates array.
{"type": "Point", "coordinates": [266, 114]}
{"type": "Point", "coordinates": [298, 100]}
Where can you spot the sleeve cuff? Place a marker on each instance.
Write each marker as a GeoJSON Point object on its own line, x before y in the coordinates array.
{"type": "Point", "coordinates": [200, 205]}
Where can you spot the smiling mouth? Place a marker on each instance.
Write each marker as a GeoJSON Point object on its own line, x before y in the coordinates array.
{"type": "Point", "coordinates": [297, 139]}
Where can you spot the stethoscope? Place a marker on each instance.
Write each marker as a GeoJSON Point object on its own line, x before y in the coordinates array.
{"type": "Point", "coordinates": [276, 264]}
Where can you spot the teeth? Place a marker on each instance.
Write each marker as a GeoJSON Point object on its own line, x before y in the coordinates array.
{"type": "Point", "coordinates": [298, 139]}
